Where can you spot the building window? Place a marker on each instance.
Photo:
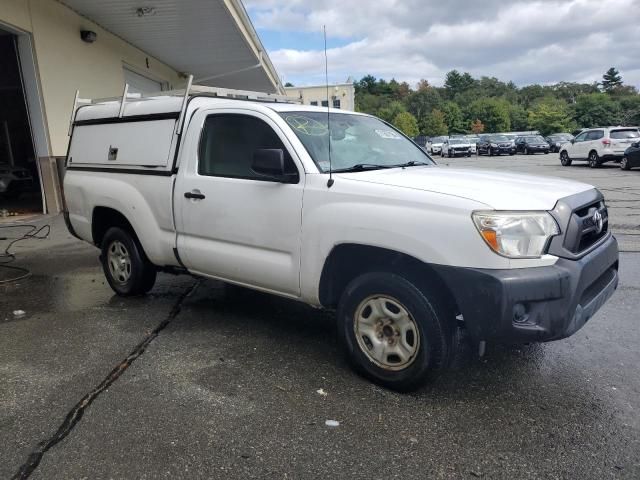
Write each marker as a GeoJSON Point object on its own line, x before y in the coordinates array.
{"type": "Point", "coordinates": [315, 104]}
{"type": "Point", "coordinates": [336, 103]}
{"type": "Point", "coordinates": [325, 103]}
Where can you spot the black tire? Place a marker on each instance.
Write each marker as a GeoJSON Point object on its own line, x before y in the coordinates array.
{"type": "Point", "coordinates": [142, 274]}
{"type": "Point", "coordinates": [564, 159]}
{"type": "Point", "coordinates": [468, 154]}
{"type": "Point", "coordinates": [594, 159]}
{"type": "Point", "coordinates": [624, 164]}
{"type": "Point", "coordinates": [436, 331]}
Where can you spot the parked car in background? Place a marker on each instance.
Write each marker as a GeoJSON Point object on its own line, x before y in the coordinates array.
{"type": "Point", "coordinates": [436, 144]}
{"type": "Point", "coordinates": [14, 181]}
{"type": "Point", "coordinates": [531, 144]}
{"type": "Point", "coordinates": [599, 145]}
{"type": "Point", "coordinates": [457, 146]}
{"type": "Point", "coordinates": [495, 145]}
{"type": "Point", "coordinates": [556, 140]}
{"type": "Point", "coordinates": [631, 157]}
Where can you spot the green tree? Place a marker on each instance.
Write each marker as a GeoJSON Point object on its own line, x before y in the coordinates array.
{"type": "Point", "coordinates": [595, 109]}
{"type": "Point", "coordinates": [421, 103]}
{"type": "Point", "coordinates": [435, 124]}
{"type": "Point", "coordinates": [406, 123]}
{"type": "Point", "coordinates": [456, 83]}
{"type": "Point", "coordinates": [492, 112]}
{"type": "Point", "coordinates": [550, 117]}
{"type": "Point", "coordinates": [453, 117]}
{"type": "Point", "coordinates": [392, 110]}
{"type": "Point", "coordinates": [518, 117]}
{"type": "Point", "coordinates": [289, 84]}
{"type": "Point", "coordinates": [611, 80]}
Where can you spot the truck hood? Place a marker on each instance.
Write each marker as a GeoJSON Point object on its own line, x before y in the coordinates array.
{"type": "Point", "coordinates": [497, 190]}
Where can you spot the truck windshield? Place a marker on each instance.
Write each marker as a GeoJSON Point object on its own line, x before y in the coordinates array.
{"type": "Point", "coordinates": [356, 141]}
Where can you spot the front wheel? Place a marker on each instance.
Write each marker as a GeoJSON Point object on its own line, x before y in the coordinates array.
{"type": "Point", "coordinates": [624, 164]}
{"type": "Point", "coordinates": [594, 159]}
{"type": "Point", "coordinates": [125, 265]}
{"type": "Point", "coordinates": [393, 333]}
{"type": "Point", "coordinates": [564, 159]}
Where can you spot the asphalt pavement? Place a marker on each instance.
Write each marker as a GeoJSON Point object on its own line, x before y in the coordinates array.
{"type": "Point", "coordinates": [202, 380]}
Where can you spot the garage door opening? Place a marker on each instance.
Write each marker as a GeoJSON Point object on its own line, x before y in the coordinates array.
{"type": "Point", "coordinates": [20, 186]}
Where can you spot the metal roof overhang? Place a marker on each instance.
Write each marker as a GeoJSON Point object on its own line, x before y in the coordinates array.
{"type": "Point", "coordinates": [213, 40]}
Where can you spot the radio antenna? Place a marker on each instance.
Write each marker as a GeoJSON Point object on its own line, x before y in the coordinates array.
{"type": "Point", "coordinates": [326, 80]}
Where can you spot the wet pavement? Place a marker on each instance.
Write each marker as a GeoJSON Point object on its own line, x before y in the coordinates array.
{"type": "Point", "coordinates": [228, 388]}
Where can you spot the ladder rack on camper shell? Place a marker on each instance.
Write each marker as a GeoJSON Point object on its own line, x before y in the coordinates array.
{"type": "Point", "coordinates": [185, 93]}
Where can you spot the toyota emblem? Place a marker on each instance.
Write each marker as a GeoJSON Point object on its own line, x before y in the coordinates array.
{"type": "Point", "coordinates": [598, 221]}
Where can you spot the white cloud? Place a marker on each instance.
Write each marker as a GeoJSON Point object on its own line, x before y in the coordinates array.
{"type": "Point", "coordinates": [543, 41]}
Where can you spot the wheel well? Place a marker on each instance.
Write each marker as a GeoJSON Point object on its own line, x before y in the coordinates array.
{"type": "Point", "coordinates": [103, 219]}
{"type": "Point", "coordinates": [348, 261]}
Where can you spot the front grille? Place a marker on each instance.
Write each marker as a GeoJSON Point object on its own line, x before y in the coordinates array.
{"type": "Point", "coordinates": [588, 224]}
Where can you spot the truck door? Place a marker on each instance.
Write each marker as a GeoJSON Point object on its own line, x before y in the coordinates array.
{"type": "Point", "coordinates": [232, 223]}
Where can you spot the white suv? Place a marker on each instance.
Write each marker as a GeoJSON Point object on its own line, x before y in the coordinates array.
{"type": "Point", "coordinates": [599, 145]}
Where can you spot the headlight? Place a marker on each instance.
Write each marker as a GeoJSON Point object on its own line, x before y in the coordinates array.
{"type": "Point", "coordinates": [516, 234]}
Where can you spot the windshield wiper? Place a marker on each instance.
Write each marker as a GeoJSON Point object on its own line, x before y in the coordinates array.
{"type": "Point", "coordinates": [412, 163]}
{"type": "Point", "coordinates": [362, 166]}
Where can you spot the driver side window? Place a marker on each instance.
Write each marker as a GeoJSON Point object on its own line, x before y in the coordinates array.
{"type": "Point", "coordinates": [581, 137]}
{"type": "Point", "coordinates": [228, 143]}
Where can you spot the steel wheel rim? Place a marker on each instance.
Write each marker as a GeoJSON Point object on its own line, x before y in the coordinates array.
{"type": "Point", "coordinates": [386, 332]}
{"type": "Point", "coordinates": [623, 164]}
{"type": "Point", "coordinates": [119, 262]}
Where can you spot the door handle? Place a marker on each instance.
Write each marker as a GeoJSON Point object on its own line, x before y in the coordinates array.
{"type": "Point", "coordinates": [196, 195]}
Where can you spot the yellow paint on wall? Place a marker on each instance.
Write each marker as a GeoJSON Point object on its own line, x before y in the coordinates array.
{"type": "Point", "coordinates": [65, 63]}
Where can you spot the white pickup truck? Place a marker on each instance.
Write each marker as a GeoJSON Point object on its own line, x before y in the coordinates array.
{"type": "Point", "coordinates": [404, 250]}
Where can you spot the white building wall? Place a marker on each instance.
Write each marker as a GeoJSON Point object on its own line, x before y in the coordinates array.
{"type": "Point", "coordinates": [344, 93]}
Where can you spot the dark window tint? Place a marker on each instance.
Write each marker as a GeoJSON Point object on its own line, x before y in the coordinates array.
{"type": "Point", "coordinates": [621, 134]}
{"type": "Point", "coordinates": [325, 103]}
{"type": "Point", "coordinates": [229, 142]}
{"type": "Point", "coordinates": [595, 135]}
{"type": "Point", "coordinates": [336, 103]}
{"type": "Point", "coordinates": [315, 104]}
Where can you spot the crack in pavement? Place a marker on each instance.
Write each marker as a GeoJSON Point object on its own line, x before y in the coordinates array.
{"type": "Point", "coordinates": [75, 414]}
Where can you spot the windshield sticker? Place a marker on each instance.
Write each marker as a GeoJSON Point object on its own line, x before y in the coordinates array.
{"type": "Point", "coordinates": [306, 125]}
{"type": "Point", "coordinates": [388, 134]}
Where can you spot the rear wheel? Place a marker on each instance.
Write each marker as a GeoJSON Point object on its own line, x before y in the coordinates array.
{"type": "Point", "coordinates": [594, 159]}
{"type": "Point", "coordinates": [624, 164]}
{"type": "Point", "coordinates": [393, 333]}
{"type": "Point", "coordinates": [564, 159]}
{"type": "Point", "coordinates": [125, 265]}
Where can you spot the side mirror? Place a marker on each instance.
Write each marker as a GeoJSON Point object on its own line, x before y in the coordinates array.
{"type": "Point", "coordinates": [269, 163]}
{"type": "Point", "coordinates": [573, 140]}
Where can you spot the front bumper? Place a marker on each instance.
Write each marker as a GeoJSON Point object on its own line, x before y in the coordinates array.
{"type": "Point", "coordinates": [534, 304]}
{"type": "Point", "coordinates": [503, 150]}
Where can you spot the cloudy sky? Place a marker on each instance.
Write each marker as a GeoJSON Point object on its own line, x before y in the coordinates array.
{"type": "Point", "coordinates": [543, 41]}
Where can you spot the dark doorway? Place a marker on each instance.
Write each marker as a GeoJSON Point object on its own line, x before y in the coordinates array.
{"type": "Point", "coordinates": [19, 182]}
